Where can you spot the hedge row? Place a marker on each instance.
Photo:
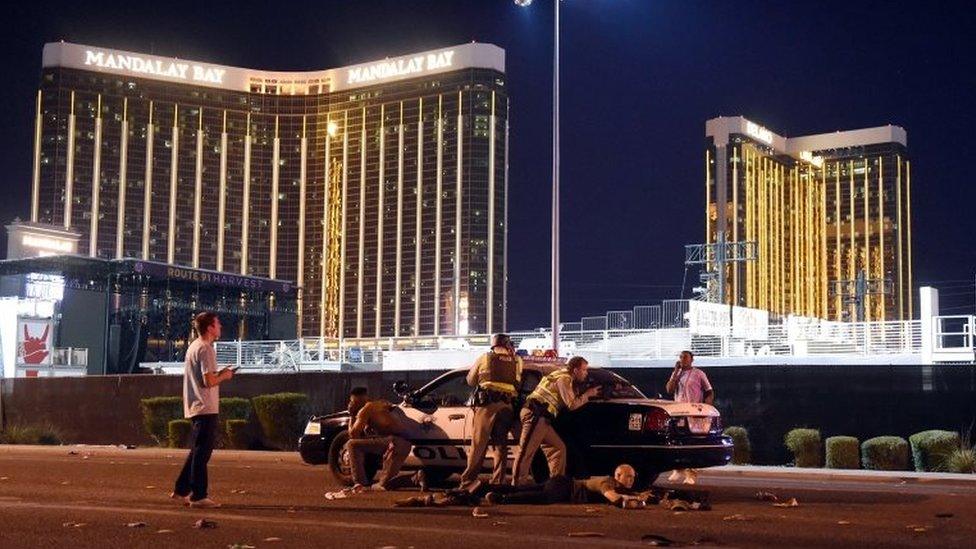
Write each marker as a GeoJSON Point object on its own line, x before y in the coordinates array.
{"type": "Point", "coordinates": [276, 422]}
{"type": "Point", "coordinates": [926, 451]}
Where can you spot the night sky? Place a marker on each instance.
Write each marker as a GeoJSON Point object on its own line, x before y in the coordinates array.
{"type": "Point", "coordinates": [639, 79]}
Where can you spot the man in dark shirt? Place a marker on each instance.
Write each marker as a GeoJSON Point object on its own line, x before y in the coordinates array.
{"type": "Point", "coordinates": [617, 490]}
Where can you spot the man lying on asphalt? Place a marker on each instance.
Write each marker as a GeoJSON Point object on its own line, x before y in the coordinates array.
{"type": "Point", "coordinates": [377, 429]}
{"type": "Point", "coordinates": [617, 490]}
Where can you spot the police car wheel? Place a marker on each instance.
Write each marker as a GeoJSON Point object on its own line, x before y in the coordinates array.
{"type": "Point", "coordinates": [339, 465]}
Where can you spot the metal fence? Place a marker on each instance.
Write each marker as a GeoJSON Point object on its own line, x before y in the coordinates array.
{"type": "Point", "coordinates": [810, 339]}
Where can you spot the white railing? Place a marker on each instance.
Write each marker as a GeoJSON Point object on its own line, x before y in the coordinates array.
{"type": "Point", "coordinates": [809, 339]}
{"type": "Point", "coordinates": [954, 338]}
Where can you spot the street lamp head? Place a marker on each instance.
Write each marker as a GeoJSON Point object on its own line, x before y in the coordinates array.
{"type": "Point", "coordinates": [523, 3]}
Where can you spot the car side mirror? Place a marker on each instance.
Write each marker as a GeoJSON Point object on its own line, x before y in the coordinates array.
{"type": "Point", "coordinates": [401, 389]}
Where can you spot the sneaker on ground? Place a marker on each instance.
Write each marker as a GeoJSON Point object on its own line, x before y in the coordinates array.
{"type": "Point", "coordinates": [675, 476]}
{"type": "Point", "coordinates": [205, 503]}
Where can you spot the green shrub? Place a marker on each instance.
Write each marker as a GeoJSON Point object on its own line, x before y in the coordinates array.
{"type": "Point", "coordinates": [178, 432]}
{"type": "Point", "coordinates": [238, 435]}
{"type": "Point", "coordinates": [843, 453]}
{"type": "Point", "coordinates": [930, 448]}
{"type": "Point", "coordinates": [805, 445]}
{"type": "Point", "coordinates": [43, 433]}
{"type": "Point", "coordinates": [742, 449]}
{"type": "Point", "coordinates": [282, 417]}
{"type": "Point", "coordinates": [885, 454]}
{"type": "Point", "coordinates": [960, 460]}
{"type": "Point", "coordinates": [157, 412]}
{"type": "Point", "coordinates": [230, 409]}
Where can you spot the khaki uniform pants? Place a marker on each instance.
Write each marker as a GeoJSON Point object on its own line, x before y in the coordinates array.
{"type": "Point", "coordinates": [537, 431]}
{"type": "Point", "coordinates": [392, 458]}
{"type": "Point", "coordinates": [482, 426]}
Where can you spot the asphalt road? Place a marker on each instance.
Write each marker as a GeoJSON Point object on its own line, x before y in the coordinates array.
{"type": "Point", "coordinates": [86, 497]}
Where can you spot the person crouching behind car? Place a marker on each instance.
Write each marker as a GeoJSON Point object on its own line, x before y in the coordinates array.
{"type": "Point", "coordinates": [553, 395]}
{"type": "Point", "coordinates": [376, 430]}
{"type": "Point", "coordinates": [617, 490]}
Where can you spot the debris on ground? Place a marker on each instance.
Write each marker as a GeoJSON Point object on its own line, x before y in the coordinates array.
{"type": "Point", "coordinates": [944, 515]}
{"type": "Point", "coordinates": [240, 546]}
{"type": "Point", "coordinates": [738, 518]}
{"type": "Point", "coordinates": [499, 523]}
{"type": "Point", "coordinates": [72, 453]}
{"type": "Point", "coordinates": [242, 492]}
{"type": "Point", "coordinates": [789, 503]}
{"type": "Point", "coordinates": [657, 540]}
{"type": "Point", "coordinates": [272, 539]}
{"type": "Point", "coordinates": [73, 524]}
{"type": "Point", "coordinates": [416, 501]}
{"type": "Point", "coordinates": [843, 522]}
{"type": "Point", "coordinates": [150, 487]}
{"type": "Point", "coordinates": [136, 524]}
{"type": "Point", "coordinates": [591, 510]}
{"type": "Point", "coordinates": [4, 478]}
{"type": "Point", "coordinates": [586, 534]}
{"type": "Point", "coordinates": [164, 531]}
{"type": "Point", "coordinates": [685, 500]}
{"type": "Point", "coordinates": [338, 494]}
{"type": "Point", "coordinates": [204, 523]}
{"type": "Point", "coordinates": [478, 513]}
{"type": "Point", "coordinates": [766, 496]}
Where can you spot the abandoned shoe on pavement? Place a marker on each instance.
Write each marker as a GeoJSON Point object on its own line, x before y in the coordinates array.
{"type": "Point", "coordinates": [205, 503]}
{"type": "Point", "coordinates": [675, 476]}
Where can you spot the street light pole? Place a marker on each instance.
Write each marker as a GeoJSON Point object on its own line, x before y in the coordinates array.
{"type": "Point", "coordinates": [555, 176]}
{"type": "Point", "coordinates": [555, 184]}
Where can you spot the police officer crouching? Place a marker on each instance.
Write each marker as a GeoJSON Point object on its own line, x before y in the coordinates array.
{"type": "Point", "coordinates": [497, 375]}
{"type": "Point", "coordinates": [553, 395]}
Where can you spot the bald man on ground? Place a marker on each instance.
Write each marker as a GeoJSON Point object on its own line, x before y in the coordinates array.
{"type": "Point", "coordinates": [617, 490]}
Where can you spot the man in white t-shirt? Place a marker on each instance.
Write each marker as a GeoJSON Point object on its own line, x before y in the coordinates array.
{"type": "Point", "coordinates": [201, 402]}
{"type": "Point", "coordinates": [688, 384]}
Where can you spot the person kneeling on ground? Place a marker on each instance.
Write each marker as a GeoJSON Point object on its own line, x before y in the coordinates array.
{"type": "Point", "coordinates": [376, 430]}
{"type": "Point", "coordinates": [617, 490]}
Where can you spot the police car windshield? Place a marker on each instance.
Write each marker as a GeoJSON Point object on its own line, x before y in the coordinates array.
{"type": "Point", "coordinates": [613, 385]}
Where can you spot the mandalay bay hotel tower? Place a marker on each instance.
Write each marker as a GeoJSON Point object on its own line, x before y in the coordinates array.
{"type": "Point", "coordinates": [380, 188]}
{"type": "Point", "coordinates": [823, 211]}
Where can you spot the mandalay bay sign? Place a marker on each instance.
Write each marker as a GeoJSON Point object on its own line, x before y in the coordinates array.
{"type": "Point", "coordinates": [400, 67]}
{"type": "Point", "coordinates": [156, 67]}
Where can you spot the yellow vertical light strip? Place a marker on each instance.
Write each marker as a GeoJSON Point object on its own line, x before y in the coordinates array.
{"type": "Point", "coordinates": [708, 187]}
{"type": "Point", "coordinates": [275, 183]}
{"type": "Point", "coordinates": [361, 276]}
{"type": "Point", "coordinates": [344, 245]}
{"type": "Point", "coordinates": [326, 228]}
{"type": "Point", "coordinates": [379, 224]}
{"type": "Point", "coordinates": [36, 173]}
{"type": "Point", "coordinates": [302, 189]}
{"type": "Point", "coordinates": [492, 129]}
{"type": "Point", "coordinates": [908, 214]}
{"type": "Point", "coordinates": [222, 196]}
{"type": "Point", "coordinates": [96, 182]}
{"type": "Point", "coordinates": [734, 294]}
{"type": "Point", "coordinates": [867, 241]}
{"type": "Point", "coordinates": [881, 230]}
{"type": "Point", "coordinates": [174, 164]}
{"type": "Point", "coordinates": [246, 210]}
{"type": "Point", "coordinates": [899, 233]}
{"type": "Point", "coordinates": [147, 196]}
{"type": "Point", "coordinates": [398, 271]}
{"type": "Point", "coordinates": [438, 213]}
{"type": "Point", "coordinates": [69, 167]}
{"type": "Point", "coordinates": [852, 267]}
{"type": "Point", "coordinates": [824, 277]}
{"type": "Point", "coordinates": [123, 158]}
{"type": "Point", "coordinates": [458, 197]}
{"type": "Point", "coordinates": [198, 192]}
{"type": "Point", "coordinates": [749, 200]}
{"type": "Point", "coordinates": [792, 239]}
{"type": "Point", "coordinates": [419, 225]}
{"type": "Point", "coordinates": [838, 250]}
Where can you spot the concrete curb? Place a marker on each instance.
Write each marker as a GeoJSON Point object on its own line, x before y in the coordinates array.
{"type": "Point", "coordinates": [747, 471]}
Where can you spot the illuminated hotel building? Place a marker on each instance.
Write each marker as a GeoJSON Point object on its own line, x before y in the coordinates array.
{"type": "Point", "coordinates": [380, 188]}
{"type": "Point", "coordinates": [820, 209]}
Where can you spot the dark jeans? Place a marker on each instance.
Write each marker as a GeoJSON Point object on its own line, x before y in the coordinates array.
{"type": "Point", "coordinates": [558, 489]}
{"type": "Point", "coordinates": [193, 478]}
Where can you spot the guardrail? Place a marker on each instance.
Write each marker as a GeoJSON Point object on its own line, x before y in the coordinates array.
{"type": "Point", "coordinates": [796, 339]}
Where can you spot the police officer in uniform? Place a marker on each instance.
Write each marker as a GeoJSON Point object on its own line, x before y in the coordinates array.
{"type": "Point", "coordinates": [497, 375]}
{"type": "Point", "coordinates": [554, 394]}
